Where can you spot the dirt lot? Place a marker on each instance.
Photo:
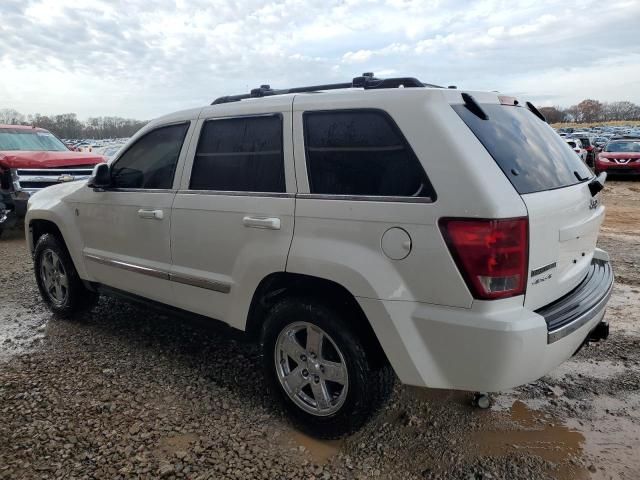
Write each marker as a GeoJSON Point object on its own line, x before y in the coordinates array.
{"type": "Point", "coordinates": [125, 392]}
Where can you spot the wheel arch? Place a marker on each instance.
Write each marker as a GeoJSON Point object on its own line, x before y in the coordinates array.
{"type": "Point", "coordinates": [279, 284]}
{"type": "Point", "coordinates": [39, 227]}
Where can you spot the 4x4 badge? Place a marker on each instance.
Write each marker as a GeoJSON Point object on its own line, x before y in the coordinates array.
{"type": "Point", "coordinates": [593, 204]}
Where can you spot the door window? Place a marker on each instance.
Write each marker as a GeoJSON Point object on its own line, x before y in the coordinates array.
{"type": "Point", "coordinates": [150, 162]}
{"type": "Point", "coordinates": [361, 153]}
{"type": "Point", "coordinates": [241, 154]}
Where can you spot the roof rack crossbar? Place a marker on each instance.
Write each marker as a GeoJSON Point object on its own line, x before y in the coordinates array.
{"type": "Point", "coordinates": [366, 81]}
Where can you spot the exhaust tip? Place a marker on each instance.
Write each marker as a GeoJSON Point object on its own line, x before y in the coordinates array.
{"type": "Point", "coordinates": [600, 332]}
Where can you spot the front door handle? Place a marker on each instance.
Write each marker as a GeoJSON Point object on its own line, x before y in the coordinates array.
{"type": "Point", "coordinates": [268, 223]}
{"type": "Point", "coordinates": [152, 214]}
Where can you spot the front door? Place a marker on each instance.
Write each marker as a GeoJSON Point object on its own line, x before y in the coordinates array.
{"type": "Point", "coordinates": [233, 215]}
{"type": "Point", "coordinates": [127, 228]}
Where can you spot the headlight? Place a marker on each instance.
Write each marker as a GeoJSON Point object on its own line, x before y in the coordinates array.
{"type": "Point", "coordinates": [603, 159]}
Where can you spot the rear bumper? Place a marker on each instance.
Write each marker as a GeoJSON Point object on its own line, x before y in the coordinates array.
{"type": "Point", "coordinates": [578, 307]}
{"type": "Point", "coordinates": [485, 348]}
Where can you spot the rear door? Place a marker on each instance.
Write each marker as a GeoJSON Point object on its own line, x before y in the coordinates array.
{"type": "Point", "coordinates": [232, 219]}
{"type": "Point", "coordinates": [564, 219]}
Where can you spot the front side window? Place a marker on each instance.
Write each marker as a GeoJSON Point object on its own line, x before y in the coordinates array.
{"type": "Point", "coordinates": [241, 154]}
{"type": "Point", "coordinates": [151, 161]}
{"type": "Point", "coordinates": [361, 153]}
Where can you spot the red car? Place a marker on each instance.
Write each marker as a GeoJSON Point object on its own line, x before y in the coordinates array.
{"type": "Point", "coordinates": [33, 158]}
{"type": "Point", "coordinates": [619, 156]}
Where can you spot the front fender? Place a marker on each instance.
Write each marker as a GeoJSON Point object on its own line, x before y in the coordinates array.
{"type": "Point", "coordinates": [52, 205]}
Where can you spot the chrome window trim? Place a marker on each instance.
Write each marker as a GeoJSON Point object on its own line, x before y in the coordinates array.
{"type": "Point", "coordinates": [213, 285]}
{"type": "Point", "coordinates": [233, 193]}
{"type": "Point", "coordinates": [364, 198]}
{"type": "Point", "coordinates": [141, 190]}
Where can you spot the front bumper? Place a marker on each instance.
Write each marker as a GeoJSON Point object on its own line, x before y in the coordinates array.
{"type": "Point", "coordinates": [483, 348]}
{"type": "Point", "coordinates": [12, 207]}
{"type": "Point", "coordinates": [632, 168]}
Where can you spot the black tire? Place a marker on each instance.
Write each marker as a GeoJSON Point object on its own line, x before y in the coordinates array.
{"type": "Point", "coordinates": [76, 298]}
{"type": "Point", "coordinates": [369, 386]}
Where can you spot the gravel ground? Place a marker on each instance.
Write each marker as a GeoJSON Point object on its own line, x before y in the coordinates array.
{"type": "Point", "coordinates": [128, 392]}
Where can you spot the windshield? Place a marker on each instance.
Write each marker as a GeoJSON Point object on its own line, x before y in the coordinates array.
{"type": "Point", "coordinates": [29, 140]}
{"type": "Point", "coordinates": [529, 152]}
{"type": "Point", "coordinates": [623, 147]}
{"type": "Point", "coordinates": [585, 142]}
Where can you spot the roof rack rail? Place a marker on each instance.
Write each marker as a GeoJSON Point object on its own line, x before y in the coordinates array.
{"type": "Point", "coordinates": [366, 80]}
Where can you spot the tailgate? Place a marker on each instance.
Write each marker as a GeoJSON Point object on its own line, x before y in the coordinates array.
{"type": "Point", "coordinates": [563, 231]}
{"type": "Point", "coordinates": [553, 182]}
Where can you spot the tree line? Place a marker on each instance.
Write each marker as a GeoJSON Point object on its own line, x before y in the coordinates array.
{"type": "Point", "coordinates": [67, 125]}
{"type": "Point", "coordinates": [592, 111]}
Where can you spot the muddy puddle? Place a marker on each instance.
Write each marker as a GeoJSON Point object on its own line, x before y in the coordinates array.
{"type": "Point", "coordinates": [534, 433]}
{"type": "Point", "coordinates": [612, 436]}
{"type": "Point", "coordinates": [319, 452]}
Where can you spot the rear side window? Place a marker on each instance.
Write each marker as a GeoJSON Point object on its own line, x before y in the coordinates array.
{"type": "Point", "coordinates": [532, 156]}
{"type": "Point", "coordinates": [240, 154]}
{"type": "Point", "coordinates": [151, 161]}
{"type": "Point", "coordinates": [363, 153]}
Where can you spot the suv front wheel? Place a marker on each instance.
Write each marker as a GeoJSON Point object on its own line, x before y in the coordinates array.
{"type": "Point", "coordinates": [319, 368]}
{"type": "Point", "coordinates": [58, 281]}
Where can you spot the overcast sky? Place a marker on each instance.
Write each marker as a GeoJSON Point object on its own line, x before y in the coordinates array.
{"type": "Point", "coordinates": [144, 58]}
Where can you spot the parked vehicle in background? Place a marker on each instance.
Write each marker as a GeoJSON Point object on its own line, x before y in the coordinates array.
{"type": "Point", "coordinates": [576, 146]}
{"type": "Point", "coordinates": [588, 145]}
{"type": "Point", "coordinates": [620, 157]}
{"type": "Point", "coordinates": [599, 143]}
{"type": "Point", "coordinates": [108, 152]}
{"type": "Point", "coordinates": [31, 159]}
{"type": "Point", "coordinates": [478, 273]}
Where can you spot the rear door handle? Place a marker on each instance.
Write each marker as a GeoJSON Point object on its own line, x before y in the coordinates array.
{"type": "Point", "coordinates": [268, 223]}
{"type": "Point", "coordinates": [152, 214]}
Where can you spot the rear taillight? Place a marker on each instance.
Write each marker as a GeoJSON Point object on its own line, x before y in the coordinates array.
{"type": "Point", "coordinates": [492, 255]}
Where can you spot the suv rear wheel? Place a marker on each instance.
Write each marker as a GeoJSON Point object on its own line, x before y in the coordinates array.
{"type": "Point", "coordinates": [319, 368]}
{"type": "Point", "coordinates": [58, 281]}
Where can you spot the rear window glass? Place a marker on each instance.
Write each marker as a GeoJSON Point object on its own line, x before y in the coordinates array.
{"type": "Point", "coordinates": [361, 153]}
{"type": "Point", "coordinates": [572, 144]}
{"type": "Point", "coordinates": [532, 156]}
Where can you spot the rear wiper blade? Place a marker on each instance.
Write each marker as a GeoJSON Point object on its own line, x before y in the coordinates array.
{"type": "Point", "coordinates": [579, 177]}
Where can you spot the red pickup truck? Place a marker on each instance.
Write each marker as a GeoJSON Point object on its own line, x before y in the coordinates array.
{"type": "Point", "coordinates": [33, 158]}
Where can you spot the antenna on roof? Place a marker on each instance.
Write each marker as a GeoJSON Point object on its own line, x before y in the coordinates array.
{"type": "Point", "coordinates": [367, 81]}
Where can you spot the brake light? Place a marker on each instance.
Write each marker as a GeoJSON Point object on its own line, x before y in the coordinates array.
{"type": "Point", "coordinates": [492, 255]}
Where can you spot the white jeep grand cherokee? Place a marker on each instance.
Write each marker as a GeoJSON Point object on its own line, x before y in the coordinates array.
{"type": "Point", "coordinates": [354, 230]}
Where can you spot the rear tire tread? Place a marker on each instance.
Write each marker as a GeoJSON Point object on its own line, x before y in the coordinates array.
{"type": "Point", "coordinates": [369, 386]}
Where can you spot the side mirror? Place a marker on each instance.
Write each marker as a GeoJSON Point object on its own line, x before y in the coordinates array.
{"type": "Point", "coordinates": [101, 177]}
